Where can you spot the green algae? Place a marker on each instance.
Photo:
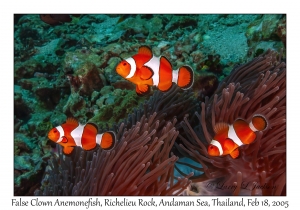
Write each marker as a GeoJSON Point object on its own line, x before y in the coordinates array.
{"type": "Point", "coordinates": [124, 103]}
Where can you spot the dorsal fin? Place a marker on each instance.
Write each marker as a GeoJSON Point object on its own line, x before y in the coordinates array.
{"type": "Point", "coordinates": [72, 121]}
{"type": "Point", "coordinates": [166, 62]}
{"type": "Point", "coordinates": [145, 50]}
{"type": "Point", "coordinates": [92, 127]}
{"type": "Point", "coordinates": [220, 127]}
{"type": "Point", "coordinates": [165, 74]}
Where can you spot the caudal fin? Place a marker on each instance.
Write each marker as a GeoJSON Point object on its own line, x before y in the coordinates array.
{"type": "Point", "coordinates": [108, 140]}
{"type": "Point", "coordinates": [185, 77]}
{"type": "Point", "coordinates": [259, 122]}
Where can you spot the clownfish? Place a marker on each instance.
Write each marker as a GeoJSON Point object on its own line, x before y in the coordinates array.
{"type": "Point", "coordinates": [229, 137]}
{"type": "Point", "coordinates": [144, 70]}
{"type": "Point", "coordinates": [72, 134]}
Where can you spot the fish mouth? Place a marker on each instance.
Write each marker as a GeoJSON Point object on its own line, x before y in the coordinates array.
{"type": "Point", "coordinates": [51, 137]}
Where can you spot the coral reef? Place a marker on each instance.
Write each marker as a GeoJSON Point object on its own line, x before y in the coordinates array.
{"type": "Point", "coordinates": [204, 85]}
{"type": "Point", "coordinates": [88, 79]}
{"type": "Point", "coordinates": [55, 19]}
{"type": "Point", "coordinates": [212, 64]}
{"type": "Point", "coordinates": [265, 32]}
{"type": "Point", "coordinates": [258, 87]}
{"type": "Point", "coordinates": [281, 30]}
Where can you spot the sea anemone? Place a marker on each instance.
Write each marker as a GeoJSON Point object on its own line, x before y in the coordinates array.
{"type": "Point", "coordinates": [141, 163]}
{"type": "Point", "coordinates": [258, 87]}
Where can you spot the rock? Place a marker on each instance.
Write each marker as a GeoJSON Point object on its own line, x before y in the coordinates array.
{"type": "Point", "coordinates": [75, 105]}
{"type": "Point", "coordinates": [86, 79]}
{"type": "Point", "coordinates": [106, 90]}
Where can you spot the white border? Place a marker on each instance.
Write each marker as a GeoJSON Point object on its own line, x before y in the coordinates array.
{"type": "Point", "coordinates": [119, 6]}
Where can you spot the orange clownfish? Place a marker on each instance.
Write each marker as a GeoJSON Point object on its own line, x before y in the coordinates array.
{"type": "Point", "coordinates": [72, 134]}
{"type": "Point", "coordinates": [144, 69]}
{"type": "Point", "coordinates": [229, 137]}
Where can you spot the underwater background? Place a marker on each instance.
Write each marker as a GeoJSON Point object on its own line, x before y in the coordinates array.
{"type": "Point", "coordinates": [64, 66]}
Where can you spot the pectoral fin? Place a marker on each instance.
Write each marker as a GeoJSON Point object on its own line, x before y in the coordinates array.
{"type": "Point", "coordinates": [146, 72]}
{"type": "Point", "coordinates": [142, 89]}
{"type": "Point", "coordinates": [64, 139]}
{"type": "Point", "coordinates": [68, 150]}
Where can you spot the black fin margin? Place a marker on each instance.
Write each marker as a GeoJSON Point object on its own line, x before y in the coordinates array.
{"type": "Point", "coordinates": [164, 91]}
{"type": "Point", "coordinates": [114, 140]}
{"type": "Point", "coordinates": [166, 60]}
{"type": "Point", "coordinates": [190, 84]}
{"type": "Point", "coordinates": [264, 118]}
{"type": "Point", "coordinates": [149, 70]}
{"type": "Point", "coordinates": [93, 124]}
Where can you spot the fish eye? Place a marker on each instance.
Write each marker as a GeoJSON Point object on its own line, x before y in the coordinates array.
{"type": "Point", "coordinates": [124, 64]}
{"type": "Point", "coordinates": [55, 131]}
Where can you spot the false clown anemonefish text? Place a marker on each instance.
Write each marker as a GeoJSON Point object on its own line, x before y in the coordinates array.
{"type": "Point", "coordinates": [36, 202]}
{"type": "Point", "coordinates": [154, 202]}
